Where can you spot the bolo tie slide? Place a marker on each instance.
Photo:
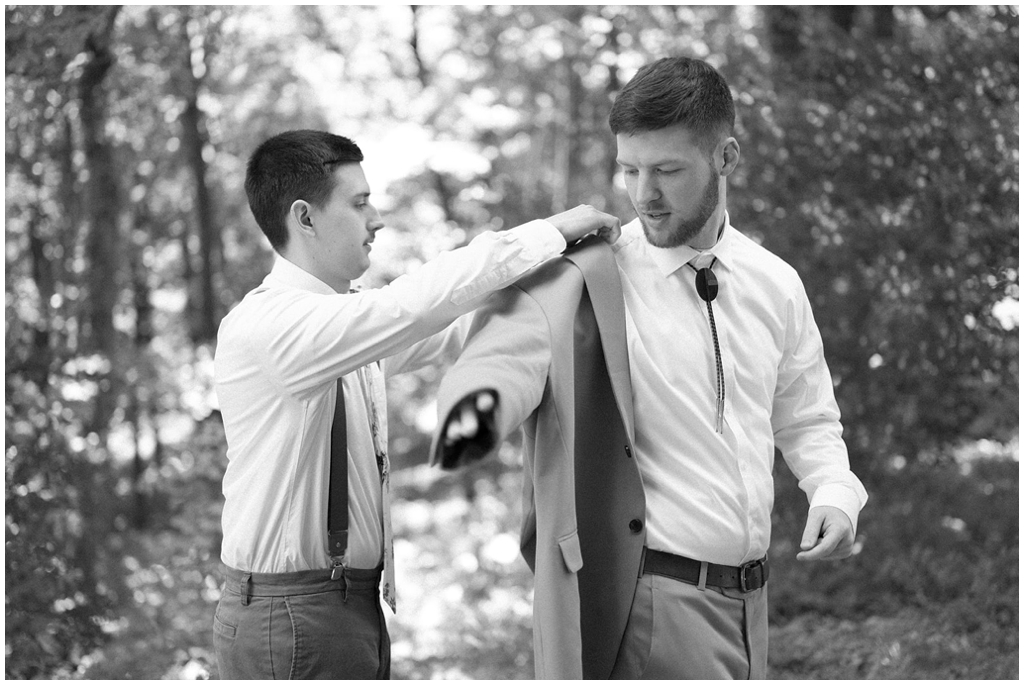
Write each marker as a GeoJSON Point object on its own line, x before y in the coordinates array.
{"type": "Point", "coordinates": [707, 289]}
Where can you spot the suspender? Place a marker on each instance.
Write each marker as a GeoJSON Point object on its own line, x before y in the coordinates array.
{"type": "Point", "coordinates": [337, 497]}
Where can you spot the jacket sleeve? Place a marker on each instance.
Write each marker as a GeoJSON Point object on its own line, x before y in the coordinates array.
{"type": "Point", "coordinates": [508, 350]}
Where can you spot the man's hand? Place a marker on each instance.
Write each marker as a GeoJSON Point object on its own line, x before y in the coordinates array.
{"type": "Point", "coordinates": [469, 430]}
{"type": "Point", "coordinates": [828, 535]}
{"type": "Point", "coordinates": [583, 220]}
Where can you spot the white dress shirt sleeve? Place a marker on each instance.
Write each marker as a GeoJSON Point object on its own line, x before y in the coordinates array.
{"type": "Point", "coordinates": [805, 418]}
{"type": "Point", "coordinates": [315, 338]}
{"type": "Point", "coordinates": [440, 349]}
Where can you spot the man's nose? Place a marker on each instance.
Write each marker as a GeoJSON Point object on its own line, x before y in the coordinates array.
{"type": "Point", "coordinates": [375, 223]}
{"type": "Point", "coordinates": [647, 189]}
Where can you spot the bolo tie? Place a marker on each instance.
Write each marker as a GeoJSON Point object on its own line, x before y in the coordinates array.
{"type": "Point", "coordinates": [707, 289]}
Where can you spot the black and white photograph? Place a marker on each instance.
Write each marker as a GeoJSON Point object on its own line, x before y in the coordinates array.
{"type": "Point", "coordinates": [512, 342]}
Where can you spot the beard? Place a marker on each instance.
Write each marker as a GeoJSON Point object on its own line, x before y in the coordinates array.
{"type": "Point", "coordinates": [685, 230]}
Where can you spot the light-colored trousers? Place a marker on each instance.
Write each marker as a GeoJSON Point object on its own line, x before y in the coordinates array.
{"type": "Point", "coordinates": [676, 631]}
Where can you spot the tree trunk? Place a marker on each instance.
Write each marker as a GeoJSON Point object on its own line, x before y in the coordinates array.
{"type": "Point", "coordinates": [422, 73]}
{"type": "Point", "coordinates": [139, 503]}
{"type": "Point", "coordinates": [101, 193]}
{"type": "Point", "coordinates": [40, 354]}
{"type": "Point", "coordinates": [843, 16]}
{"type": "Point", "coordinates": [614, 86]}
{"type": "Point", "coordinates": [194, 141]}
{"type": "Point", "coordinates": [784, 31]}
{"type": "Point", "coordinates": [101, 211]}
{"type": "Point", "coordinates": [71, 218]}
{"type": "Point", "coordinates": [569, 164]}
{"type": "Point", "coordinates": [884, 20]}
{"type": "Point", "coordinates": [205, 325]}
{"type": "Point", "coordinates": [577, 182]}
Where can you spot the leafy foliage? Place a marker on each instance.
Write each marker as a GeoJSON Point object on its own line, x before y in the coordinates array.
{"type": "Point", "coordinates": [40, 41]}
{"type": "Point", "coordinates": [51, 596]}
{"type": "Point", "coordinates": [936, 577]}
{"type": "Point", "coordinates": [887, 175]}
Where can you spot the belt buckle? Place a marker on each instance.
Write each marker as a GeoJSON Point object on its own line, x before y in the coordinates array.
{"type": "Point", "coordinates": [745, 568]}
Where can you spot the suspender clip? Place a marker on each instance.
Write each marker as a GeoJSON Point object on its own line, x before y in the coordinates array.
{"type": "Point", "coordinates": [337, 569]}
{"type": "Point", "coordinates": [338, 573]}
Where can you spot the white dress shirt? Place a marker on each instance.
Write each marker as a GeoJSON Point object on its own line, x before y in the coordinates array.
{"type": "Point", "coordinates": [709, 494]}
{"type": "Point", "coordinates": [279, 354]}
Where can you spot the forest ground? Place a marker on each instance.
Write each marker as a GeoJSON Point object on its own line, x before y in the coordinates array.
{"type": "Point", "coordinates": [932, 594]}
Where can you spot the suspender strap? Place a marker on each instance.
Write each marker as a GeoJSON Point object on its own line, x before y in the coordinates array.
{"type": "Point", "coordinates": [337, 497]}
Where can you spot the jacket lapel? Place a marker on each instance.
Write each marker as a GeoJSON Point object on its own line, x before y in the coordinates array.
{"type": "Point", "coordinates": [597, 263]}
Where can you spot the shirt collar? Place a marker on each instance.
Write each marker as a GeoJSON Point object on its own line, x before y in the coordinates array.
{"type": "Point", "coordinates": [290, 275]}
{"type": "Point", "coordinates": [671, 259]}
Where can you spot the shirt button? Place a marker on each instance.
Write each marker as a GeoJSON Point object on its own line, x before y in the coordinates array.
{"type": "Point", "coordinates": [636, 525]}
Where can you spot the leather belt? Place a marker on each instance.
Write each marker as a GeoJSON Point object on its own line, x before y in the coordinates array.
{"type": "Point", "coordinates": [746, 578]}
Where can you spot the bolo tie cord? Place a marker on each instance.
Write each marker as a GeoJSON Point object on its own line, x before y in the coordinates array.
{"type": "Point", "coordinates": [707, 289]}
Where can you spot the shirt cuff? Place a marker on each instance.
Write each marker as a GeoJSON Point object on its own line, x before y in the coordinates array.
{"type": "Point", "coordinates": [843, 497]}
{"type": "Point", "coordinates": [542, 236]}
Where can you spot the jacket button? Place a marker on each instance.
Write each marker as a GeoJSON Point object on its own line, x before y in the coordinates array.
{"type": "Point", "coordinates": [636, 525]}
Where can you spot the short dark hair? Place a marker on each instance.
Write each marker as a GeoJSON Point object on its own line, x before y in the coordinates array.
{"type": "Point", "coordinates": [295, 165]}
{"type": "Point", "coordinates": [676, 90]}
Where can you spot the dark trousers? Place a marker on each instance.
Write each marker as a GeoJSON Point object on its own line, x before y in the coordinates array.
{"type": "Point", "coordinates": [301, 625]}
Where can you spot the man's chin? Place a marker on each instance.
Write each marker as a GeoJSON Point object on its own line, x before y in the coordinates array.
{"type": "Point", "coordinates": [669, 236]}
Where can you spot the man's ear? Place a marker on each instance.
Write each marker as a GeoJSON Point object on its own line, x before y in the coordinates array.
{"type": "Point", "coordinates": [730, 156]}
{"type": "Point", "coordinates": [301, 218]}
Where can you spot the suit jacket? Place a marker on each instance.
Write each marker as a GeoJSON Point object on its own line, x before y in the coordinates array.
{"type": "Point", "coordinates": [554, 347]}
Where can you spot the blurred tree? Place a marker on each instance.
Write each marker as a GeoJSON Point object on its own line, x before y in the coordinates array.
{"type": "Point", "coordinates": [102, 191]}
{"type": "Point", "coordinates": [199, 29]}
{"type": "Point", "coordinates": [102, 227]}
{"type": "Point", "coordinates": [881, 161]}
{"type": "Point", "coordinates": [94, 213]}
{"type": "Point", "coordinates": [544, 81]}
{"type": "Point", "coordinates": [59, 59]}
{"type": "Point", "coordinates": [854, 98]}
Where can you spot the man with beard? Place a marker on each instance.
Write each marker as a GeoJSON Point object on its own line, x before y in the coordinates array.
{"type": "Point", "coordinates": [654, 380]}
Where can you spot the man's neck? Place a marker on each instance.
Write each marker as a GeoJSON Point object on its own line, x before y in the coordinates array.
{"type": "Point", "coordinates": [710, 235]}
{"type": "Point", "coordinates": [309, 266]}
